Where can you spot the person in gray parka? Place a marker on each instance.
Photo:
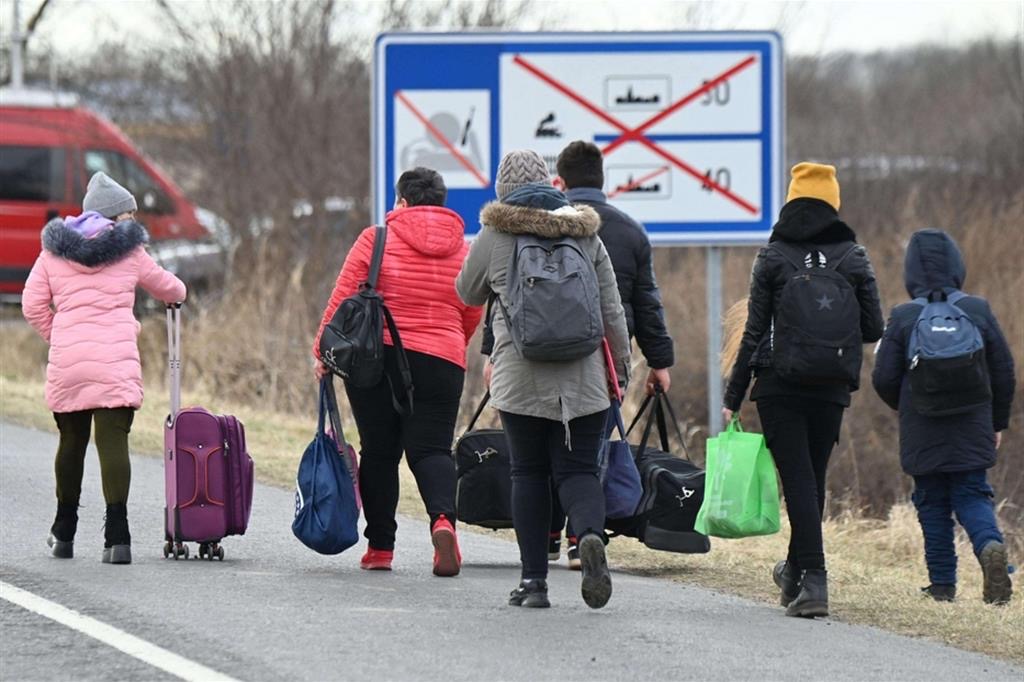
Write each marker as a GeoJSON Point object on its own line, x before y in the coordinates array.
{"type": "Point", "coordinates": [553, 413]}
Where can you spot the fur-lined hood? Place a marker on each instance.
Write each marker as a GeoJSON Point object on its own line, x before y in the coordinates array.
{"type": "Point", "coordinates": [107, 247]}
{"type": "Point", "coordinates": [569, 221]}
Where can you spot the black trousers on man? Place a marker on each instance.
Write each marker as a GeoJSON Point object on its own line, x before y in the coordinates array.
{"type": "Point", "coordinates": [801, 433]}
{"type": "Point", "coordinates": [425, 436]}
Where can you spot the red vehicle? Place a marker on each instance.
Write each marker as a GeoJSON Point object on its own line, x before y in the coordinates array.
{"type": "Point", "coordinates": [49, 148]}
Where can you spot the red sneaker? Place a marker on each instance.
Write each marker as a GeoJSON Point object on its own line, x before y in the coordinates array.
{"type": "Point", "coordinates": [447, 558]}
{"type": "Point", "coordinates": [377, 559]}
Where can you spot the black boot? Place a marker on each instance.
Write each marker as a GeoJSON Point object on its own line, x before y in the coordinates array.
{"type": "Point", "coordinates": [117, 548]}
{"type": "Point", "coordinates": [787, 577]}
{"type": "Point", "coordinates": [532, 594]}
{"type": "Point", "coordinates": [813, 598]}
{"type": "Point", "coordinates": [940, 592]}
{"type": "Point", "coordinates": [62, 533]}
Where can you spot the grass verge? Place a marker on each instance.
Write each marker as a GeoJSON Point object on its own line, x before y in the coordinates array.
{"type": "Point", "coordinates": [875, 566]}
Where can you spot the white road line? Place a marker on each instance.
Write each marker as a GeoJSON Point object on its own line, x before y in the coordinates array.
{"type": "Point", "coordinates": [155, 656]}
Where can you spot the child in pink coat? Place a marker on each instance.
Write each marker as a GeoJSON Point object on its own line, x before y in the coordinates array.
{"type": "Point", "coordinates": [79, 297]}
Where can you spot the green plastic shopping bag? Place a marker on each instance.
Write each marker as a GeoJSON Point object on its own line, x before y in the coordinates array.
{"type": "Point", "coordinates": [741, 494]}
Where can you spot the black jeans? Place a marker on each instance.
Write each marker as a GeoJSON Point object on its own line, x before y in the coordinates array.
{"type": "Point", "coordinates": [801, 433]}
{"type": "Point", "coordinates": [539, 456]}
{"type": "Point", "coordinates": [425, 436]}
{"type": "Point", "coordinates": [112, 428]}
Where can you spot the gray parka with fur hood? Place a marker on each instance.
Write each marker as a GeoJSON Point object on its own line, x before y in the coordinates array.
{"type": "Point", "coordinates": [559, 391]}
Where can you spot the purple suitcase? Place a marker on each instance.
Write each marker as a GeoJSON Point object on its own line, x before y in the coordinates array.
{"type": "Point", "coordinates": [208, 471]}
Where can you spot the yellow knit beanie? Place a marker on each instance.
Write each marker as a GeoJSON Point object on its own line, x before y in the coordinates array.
{"type": "Point", "coordinates": [815, 181]}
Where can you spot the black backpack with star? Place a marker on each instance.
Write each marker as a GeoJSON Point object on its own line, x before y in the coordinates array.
{"type": "Point", "coordinates": [815, 335]}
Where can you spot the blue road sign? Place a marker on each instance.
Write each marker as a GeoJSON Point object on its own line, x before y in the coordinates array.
{"type": "Point", "coordinates": [690, 124]}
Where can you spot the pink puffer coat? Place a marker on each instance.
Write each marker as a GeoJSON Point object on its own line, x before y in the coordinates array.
{"type": "Point", "coordinates": [79, 297]}
{"type": "Point", "coordinates": [422, 256]}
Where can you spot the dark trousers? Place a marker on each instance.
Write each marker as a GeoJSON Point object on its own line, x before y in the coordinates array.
{"type": "Point", "coordinates": [937, 498]}
{"type": "Point", "coordinates": [801, 433]}
{"type": "Point", "coordinates": [425, 436]}
{"type": "Point", "coordinates": [540, 455]}
{"type": "Point", "coordinates": [112, 428]}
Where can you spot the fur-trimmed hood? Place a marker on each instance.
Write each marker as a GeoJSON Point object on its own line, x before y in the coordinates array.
{"type": "Point", "coordinates": [107, 247]}
{"type": "Point", "coordinates": [569, 221]}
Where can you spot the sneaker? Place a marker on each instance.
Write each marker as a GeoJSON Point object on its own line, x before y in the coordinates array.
{"type": "Point", "coordinates": [940, 592]}
{"type": "Point", "coordinates": [996, 574]}
{"type": "Point", "coordinates": [573, 552]}
{"type": "Point", "coordinates": [447, 558]}
{"type": "Point", "coordinates": [377, 559]}
{"type": "Point", "coordinates": [531, 594]}
{"type": "Point", "coordinates": [554, 546]}
{"type": "Point", "coordinates": [597, 581]}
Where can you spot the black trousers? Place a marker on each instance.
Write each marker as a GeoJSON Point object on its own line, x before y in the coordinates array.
{"type": "Point", "coordinates": [425, 436]}
{"type": "Point", "coordinates": [540, 456]}
{"type": "Point", "coordinates": [801, 433]}
{"type": "Point", "coordinates": [112, 428]}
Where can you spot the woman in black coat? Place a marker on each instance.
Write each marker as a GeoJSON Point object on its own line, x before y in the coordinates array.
{"type": "Point", "coordinates": [949, 456]}
{"type": "Point", "coordinates": [800, 411]}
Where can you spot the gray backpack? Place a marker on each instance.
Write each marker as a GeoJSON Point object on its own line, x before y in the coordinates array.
{"type": "Point", "coordinates": [554, 302]}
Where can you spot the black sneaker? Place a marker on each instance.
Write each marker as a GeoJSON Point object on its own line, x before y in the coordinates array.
{"type": "Point", "coordinates": [554, 546]}
{"type": "Point", "coordinates": [996, 574]}
{"type": "Point", "coordinates": [940, 592]}
{"type": "Point", "coordinates": [573, 553]}
{"type": "Point", "coordinates": [597, 581]}
{"type": "Point", "coordinates": [531, 594]}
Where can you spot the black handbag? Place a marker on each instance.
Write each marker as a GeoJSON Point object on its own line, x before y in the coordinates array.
{"type": "Point", "coordinates": [673, 489]}
{"type": "Point", "coordinates": [352, 343]}
{"type": "Point", "coordinates": [483, 494]}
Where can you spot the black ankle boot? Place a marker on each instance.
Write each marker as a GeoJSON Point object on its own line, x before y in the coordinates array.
{"type": "Point", "coordinates": [787, 577]}
{"type": "Point", "coordinates": [813, 598]}
{"type": "Point", "coordinates": [117, 548]}
{"type": "Point", "coordinates": [62, 533]}
{"type": "Point", "coordinates": [531, 594]}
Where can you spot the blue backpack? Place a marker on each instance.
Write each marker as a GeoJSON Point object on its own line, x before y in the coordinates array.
{"type": "Point", "coordinates": [326, 513]}
{"type": "Point", "coordinates": [946, 358]}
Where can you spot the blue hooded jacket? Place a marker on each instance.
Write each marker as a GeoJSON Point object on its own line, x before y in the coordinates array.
{"type": "Point", "coordinates": [961, 442]}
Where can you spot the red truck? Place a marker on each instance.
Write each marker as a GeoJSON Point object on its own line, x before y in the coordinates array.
{"type": "Point", "coordinates": [49, 148]}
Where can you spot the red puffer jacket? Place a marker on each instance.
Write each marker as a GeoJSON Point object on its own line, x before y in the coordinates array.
{"type": "Point", "coordinates": [422, 257]}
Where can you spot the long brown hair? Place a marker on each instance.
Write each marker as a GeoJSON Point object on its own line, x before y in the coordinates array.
{"type": "Point", "coordinates": [733, 324]}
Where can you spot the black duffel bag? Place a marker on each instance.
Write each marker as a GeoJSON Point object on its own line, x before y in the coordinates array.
{"type": "Point", "coordinates": [483, 494]}
{"type": "Point", "coordinates": [673, 489]}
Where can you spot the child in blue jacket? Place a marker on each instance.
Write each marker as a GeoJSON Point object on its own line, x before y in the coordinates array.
{"type": "Point", "coordinates": [949, 456]}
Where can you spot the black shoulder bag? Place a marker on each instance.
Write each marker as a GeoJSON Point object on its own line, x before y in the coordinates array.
{"type": "Point", "coordinates": [352, 344]}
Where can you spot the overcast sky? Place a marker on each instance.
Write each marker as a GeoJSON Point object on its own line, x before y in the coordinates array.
{"type": "Point", "coordinates": [809, 27]}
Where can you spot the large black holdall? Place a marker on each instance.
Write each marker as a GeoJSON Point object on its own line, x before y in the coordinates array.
{"type": "Point", "coordinates": [673, 489]}
{"type": "Point", "coordinates": [483, 494]}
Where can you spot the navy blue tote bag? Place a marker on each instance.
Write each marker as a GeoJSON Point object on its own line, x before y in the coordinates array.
{"type": "Point", "coordinates": [326, 514]}
{"type": "Point", "coordinates": [619, 475]}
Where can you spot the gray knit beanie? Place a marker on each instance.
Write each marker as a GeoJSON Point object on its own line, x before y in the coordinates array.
{"type": "Point", "coordinates": [519, 168]}
{"type": "Point", "coordinates": [107, 198]}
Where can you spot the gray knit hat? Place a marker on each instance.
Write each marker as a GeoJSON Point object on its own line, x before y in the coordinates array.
{"type": "Point", "coordinates": [107, 198]}
{"type": "Point", "coordinates": [519, 168]}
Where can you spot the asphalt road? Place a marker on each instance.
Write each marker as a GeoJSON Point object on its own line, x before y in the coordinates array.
{"type": "Point", "coordinates": [275, 610]}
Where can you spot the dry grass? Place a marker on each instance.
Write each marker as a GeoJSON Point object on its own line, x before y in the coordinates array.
{"type": "Point", "coordinates": [876, 566]}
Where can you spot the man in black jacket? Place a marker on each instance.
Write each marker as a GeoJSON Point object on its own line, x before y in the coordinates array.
{"type": "Point", "coordinates": [949, 456]}
{"type": "Point", "coordinates": [581, 168]}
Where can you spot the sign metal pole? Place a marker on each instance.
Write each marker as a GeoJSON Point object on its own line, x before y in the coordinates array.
{"type": "Point", "coordinates": [714, 303]}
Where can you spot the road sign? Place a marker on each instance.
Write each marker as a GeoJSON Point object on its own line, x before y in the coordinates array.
{"type": "Point", "coordinates": [690, 123]}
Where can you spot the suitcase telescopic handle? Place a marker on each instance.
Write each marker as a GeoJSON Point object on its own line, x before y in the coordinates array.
{"type": "Point", "coordinates": [174, 357]}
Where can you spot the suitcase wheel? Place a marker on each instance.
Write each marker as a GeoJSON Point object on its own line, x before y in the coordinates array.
{"type": "Point", "coordinates": [209, 550]}
{"type": "Point", "coordinates": [177, 550]}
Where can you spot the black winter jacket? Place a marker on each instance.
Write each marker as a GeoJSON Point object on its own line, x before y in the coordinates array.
{"type": "Point", "coordinates": [815, 225]}
{"type": "Point", "coordinates": [630, 252]}
{"type": "Point", "coordinates": [961, 442]}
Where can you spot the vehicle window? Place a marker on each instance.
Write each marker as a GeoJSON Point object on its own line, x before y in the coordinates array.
{"type": "Point", "coordinates": [147, 192]}
{"type": "Point", "coordinates": [32, 173]}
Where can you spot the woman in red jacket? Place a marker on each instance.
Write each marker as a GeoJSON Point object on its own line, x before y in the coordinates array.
{"type": "Point", "coordinates": [422, 256]}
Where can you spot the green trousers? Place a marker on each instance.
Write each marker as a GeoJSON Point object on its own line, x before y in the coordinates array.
{"type": "Point", "coordinates": [112, 428]}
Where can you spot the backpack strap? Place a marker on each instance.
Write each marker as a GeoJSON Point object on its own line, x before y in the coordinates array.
{"type": "Point", "coordinates": [403, 366]}
{"type": "Point", "coordinates": [954, 296]}
{"type": "Point", "coordinates": [835, 266]}
{"type": "Point", "coordinates": [779, 247]}
{"type": "Point", "coordinates": [380, 237]}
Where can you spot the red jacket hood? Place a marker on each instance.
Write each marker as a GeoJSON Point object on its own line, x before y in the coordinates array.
{"type": "Point", "coordinates": [432, 230]}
